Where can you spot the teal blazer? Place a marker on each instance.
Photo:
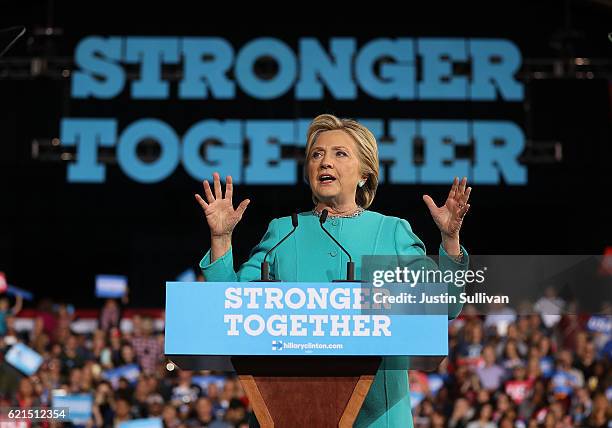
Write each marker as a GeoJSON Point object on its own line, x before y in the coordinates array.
{"type": "Point", "coordinates": [311, 256]}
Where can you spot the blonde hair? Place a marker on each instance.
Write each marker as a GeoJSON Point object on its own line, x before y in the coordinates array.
{"type": "Point", "coordinates": [367, 152]}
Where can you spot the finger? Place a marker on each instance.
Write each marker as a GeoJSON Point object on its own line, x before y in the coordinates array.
{"type": "Point", "coordinates": [208, 192]}
{"type": "Point", "coordinates": [217, 181]}
{"type": "Point", "coordinates": [463, 211]}
{"type": "Point", "coordinates": [462, 186]}
{"type": "Point", "coordinates": [201, 201]}
{"type": "Point", "coordinates": [229, 188]}
{"type": "Point", "coordinates": [451, 193]}
{"type": "Point", "coordinates": [242, 207]}
{"type": "Point", "coordinates": [466, 195]}
{"type": "Point", "coordinates": [430, 203]}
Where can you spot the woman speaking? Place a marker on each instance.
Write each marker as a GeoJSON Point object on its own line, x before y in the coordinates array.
{"type": "Point", "coordinates": [342, 170]}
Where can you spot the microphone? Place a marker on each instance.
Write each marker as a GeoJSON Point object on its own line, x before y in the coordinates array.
{"type": "Point", "coordinates": [265, 266]}
{"type": "Point", "coordinates": [350, 265]}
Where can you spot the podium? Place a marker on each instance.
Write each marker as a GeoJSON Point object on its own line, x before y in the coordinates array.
{"type": "Point", "coordinates": [306, 354]}
{"type": "Point", "coordinates": [306, 391]}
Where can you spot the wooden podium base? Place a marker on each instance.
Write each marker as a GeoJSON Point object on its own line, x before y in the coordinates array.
{"type": "Point", "coordinates": [291, 392]}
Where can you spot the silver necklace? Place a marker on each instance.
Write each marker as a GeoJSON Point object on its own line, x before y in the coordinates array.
{"type": "Point", "coordinates": [355, 214]}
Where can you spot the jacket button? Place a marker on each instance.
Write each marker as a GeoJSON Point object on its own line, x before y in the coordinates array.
{"type": "Point", "coordinates": [335, 222]}
{"type": "Point", "coordinates": [333, 253]}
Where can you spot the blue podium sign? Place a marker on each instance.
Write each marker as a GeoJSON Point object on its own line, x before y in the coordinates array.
{"type": "Point", "coordinates": [285, 319]}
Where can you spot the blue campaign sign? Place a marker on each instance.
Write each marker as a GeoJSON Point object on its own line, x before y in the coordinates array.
{"type": "Point", "coordinates": [24, 359]}
{"type": "Point", "coordinates": [204, 381]}
{"type": "Point", "coordinates": [79, 406]}
{"type": "Point", "coordinates": [292, 319]}
{"type": "Point", "coordinates": [16, 291]}
{"type": "Point", "coordinates": [128, 371]}
{"type": "Point", "coordinates": [111, 286]}
{"type": "Point", "coordinates": [187, 276]}
{"type": "Point", "coordinates": [599, 324]}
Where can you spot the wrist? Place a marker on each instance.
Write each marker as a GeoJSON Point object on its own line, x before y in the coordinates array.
{"type": "Point", "coordinates": [219, 245]}
{"type": "Point", "coordinates": [451, 245]}
{"type": "Point", "coordinates": [221, 237]}
{"type": "Point", "coordinates": [450, 238]}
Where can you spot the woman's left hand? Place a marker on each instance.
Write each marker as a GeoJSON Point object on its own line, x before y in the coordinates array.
{"type": "Point", "coordinates": [449, 217]}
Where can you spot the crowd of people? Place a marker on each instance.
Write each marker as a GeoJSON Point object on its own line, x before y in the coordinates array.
{"type": "Point", "coordinates": [502, 371]}
{"type": "Point", "coordinates": [533, 370]}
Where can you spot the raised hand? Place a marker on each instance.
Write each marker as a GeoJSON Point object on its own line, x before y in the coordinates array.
{"type": "Point", "coordinates": [449, 216]}
{"type": "Point", "coordinates": [219, 210]}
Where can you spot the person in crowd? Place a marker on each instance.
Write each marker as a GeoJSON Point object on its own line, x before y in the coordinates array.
{"type": "Point", "coordinates": [236, 412]}
{"type": "Point", "coordinates": [185, 391]}
{"type": "Point", "coordinates": [490, 373]}
{"type": "Point", "coordinates": [462, 413]}
{"type": "Point", "coordinates": [72, 355]}
{"type": "Point", "coordinates": [6, 310]}
{"type": "Point", "coordinates": [518, 386]}
{"type": "Point", "coordinates": [204, 416]}
{"type": "Point", "coordinates": [146, 346]}
{"type": "Point", "coordinates": [484, 418]}
{"type": "Point", "coordinates": [104, 405]}
{"type": "Point", "coordinates": [123, 411]}
{"type": "Point", "coordinates": [170, 417]}
{"type": "Point", "coordinates": [110, 315]}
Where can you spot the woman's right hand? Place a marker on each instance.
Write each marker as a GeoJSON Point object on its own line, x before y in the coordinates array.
{"type": "Point", "coordinates": [219, 210]}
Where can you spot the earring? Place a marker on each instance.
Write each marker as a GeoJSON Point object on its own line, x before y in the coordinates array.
{"type": "Point", "coordinates": [361, 183]}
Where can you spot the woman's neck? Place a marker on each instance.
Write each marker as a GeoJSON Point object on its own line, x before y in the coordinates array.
{"type": "Point", "coordinates": [337, 209]}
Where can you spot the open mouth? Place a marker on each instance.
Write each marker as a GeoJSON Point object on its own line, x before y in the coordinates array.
{"type": "Point", "coordinates": [326, 178]}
